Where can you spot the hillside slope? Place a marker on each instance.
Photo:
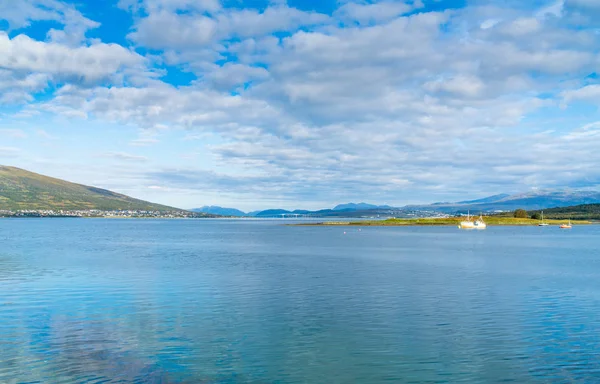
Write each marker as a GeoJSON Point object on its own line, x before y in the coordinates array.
{"type": "Point", "coordinates": [24, 190]}
{"type": "Point", "coordinates": [578, 212]}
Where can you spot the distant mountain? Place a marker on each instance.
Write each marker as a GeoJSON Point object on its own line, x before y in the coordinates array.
{"type": "Point", "coordinates": [215, 210]}
{"type": "Point", "coordinates": [358, 207]}
{"type": "Point", "coordinates": [271, 213]}
{"type": "Point", "coordinates": [549, 199]}
{"type": "Point", "coordinates": [386, 212]}
{"type": "Point", "coordinates": [490, 199]}
{"type": "Point", "coordinates": [530, 201]}
{"type": "Point", "coordinates": [534, 200]}
{"type": "Point", "coordinates": [24, 190]}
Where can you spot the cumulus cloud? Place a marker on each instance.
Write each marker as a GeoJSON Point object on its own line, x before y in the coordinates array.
{"type": "Point", "coordinates": [170, 5]}
{"type": "Point", "coordinates": [176, 32]}
{"type": "Point", "coordinates": [231, 75]}
{"type": "Point", "coordinates": [468, 86]}
{"type": "Point", "coordinates": [87, 64]}
{"type": "Point", "coordinates": [588, 93]}
{"type": "Point", "coordinates": [27, 66]}
{"type": "Point", "coordinates": [252, 23]}
{"type": "Point", "coordinates": [22, 13]}
{"type": "Point", "coordinates": [160, 106]}
{"type": "Point", "coordinates": [378, 99]}
{"type": "Point", "coordinates": [365, 13]}
{"type": "Point", "coordinates": [16, 88]}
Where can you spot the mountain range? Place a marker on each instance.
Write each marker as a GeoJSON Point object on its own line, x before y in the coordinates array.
{"type": "Point", "coordinates": [215, 210]}
{"type": "Point", "coordinates": [341, 210]}
{"type": "Point", "coordinates": [358, 207]}
{"type": "Point", "coordinates": [24, 190]}
{"type": "Point", "coordinates": [534, 200]}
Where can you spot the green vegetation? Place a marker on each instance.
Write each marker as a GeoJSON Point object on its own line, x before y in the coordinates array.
{"type": "Point", "coordinates": [454, 221]}
{"type": "Point", "coordinates": [521, 214]}
{"type": "Point", "coordinates": [577, 212]}
{"type": "Point", "coordinates": [23, 190]}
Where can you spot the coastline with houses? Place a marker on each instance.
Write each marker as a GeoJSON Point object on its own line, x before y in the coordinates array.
{"type": "Point", "coordinates": [95, 213]}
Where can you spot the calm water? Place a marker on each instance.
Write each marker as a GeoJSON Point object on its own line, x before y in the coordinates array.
{"type": "Point", "coordinates": [158, 301]}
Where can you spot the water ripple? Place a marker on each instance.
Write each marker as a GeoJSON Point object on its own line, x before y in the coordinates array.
{"type": "Point", "coordinates": [101, 301]}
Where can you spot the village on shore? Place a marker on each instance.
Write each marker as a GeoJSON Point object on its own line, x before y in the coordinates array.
{"type": "Point", "coordinates": [95, 213]}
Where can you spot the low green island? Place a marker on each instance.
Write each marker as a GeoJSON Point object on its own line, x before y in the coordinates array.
{"type": "Point", "coordinates": [448, 221]}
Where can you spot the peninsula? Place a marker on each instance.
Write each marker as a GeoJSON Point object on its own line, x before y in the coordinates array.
{"type": "Point", "coordinates": [447, 221]}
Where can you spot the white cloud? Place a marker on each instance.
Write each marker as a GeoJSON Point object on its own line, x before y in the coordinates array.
{"type": "Point", "coordinates": [231, 75]}
{"type": "Point", "coordinates": [361, 102]}
{"type": "Point", "coordinates": [27, 66]}
{"type": "Point", "coordinates": [252, 23]}
{"type": "Point", "coordinates": [170, 5]}
{"type": "Point", "coordinates": [365, 13]}
{"type": "Point", "coordinates": [467, 86]}
{"type": "Point", "coordinates": [16, 88]}
{"type": "Point", "coordinates": [87, 64]}
{"type": "Point", "coordinates": [523, 26]}
{"type": "Point", "coordinates": [22, 13]}
{"type": "Point", "coordinates": [173, 31]}
{"type": "Point", "coordinates": [160, 106]}
{"type": "Point", "coordinates": [75, 29]}
{"type": "Point", "coordinates": [166, 29]}
{"type": "Point", "coordinates": [589, 93]}
{"type": "Point", "coordinates": [125, 156]}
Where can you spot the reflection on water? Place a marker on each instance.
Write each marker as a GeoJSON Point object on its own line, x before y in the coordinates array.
{"type": "Point", "coordinates": [158, 301]}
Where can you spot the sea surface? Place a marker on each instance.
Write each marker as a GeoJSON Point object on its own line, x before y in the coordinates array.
{"type": "Point", "coordinates": [254, 301]}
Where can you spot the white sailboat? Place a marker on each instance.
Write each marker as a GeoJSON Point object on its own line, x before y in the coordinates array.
{"type": "Point", "coordinates": [566, 226]}
{"type": "Point", "coordinates": [543, 224]}
{"type": "Point", "coordinates": [470, 224]}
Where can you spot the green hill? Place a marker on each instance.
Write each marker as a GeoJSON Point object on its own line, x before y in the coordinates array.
{"type": "Point", "coordinates": [23, 190]}
{"type": "Point", "coordinates": [584, 212]}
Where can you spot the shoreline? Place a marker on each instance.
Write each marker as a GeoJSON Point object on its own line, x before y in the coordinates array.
{"type": "Point", "coordinates": [447, 222]}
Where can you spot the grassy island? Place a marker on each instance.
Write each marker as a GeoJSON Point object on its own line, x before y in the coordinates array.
{"type": "Point", "coordinates": [450, 221]}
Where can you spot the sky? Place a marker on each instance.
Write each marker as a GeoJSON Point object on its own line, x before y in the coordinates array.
{"type": "Point", "coordinates": [302, 103]}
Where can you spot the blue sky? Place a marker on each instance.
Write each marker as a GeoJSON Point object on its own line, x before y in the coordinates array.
{"type": "Point", "coordinates": [302, 104]}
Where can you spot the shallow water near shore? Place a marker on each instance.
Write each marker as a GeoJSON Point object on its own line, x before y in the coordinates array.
{"type": "Point", "coordinates": [238, 301]}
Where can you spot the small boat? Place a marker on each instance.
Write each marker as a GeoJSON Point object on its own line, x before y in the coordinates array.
{"type": "Point", "coordinates": [470, 224]}
{"type": "Point", "coordinates": [566, 226]}
{"type": "Point", "coordinates": [543, 224]}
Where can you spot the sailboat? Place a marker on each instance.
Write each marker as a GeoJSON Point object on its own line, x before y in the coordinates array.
{"type": "Point", "coordinates": [543, 224]}
{"type": "Point", "coordinates": [469, 224]}
{"type": "Point", "coordinates": [566, 226]}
